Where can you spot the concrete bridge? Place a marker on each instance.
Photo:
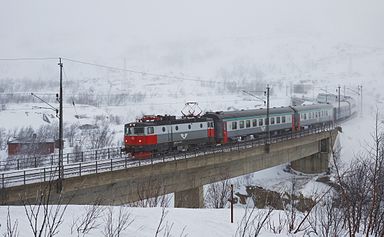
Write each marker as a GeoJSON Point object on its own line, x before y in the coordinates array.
{"type": "Point", "coordinates": [308, 152]}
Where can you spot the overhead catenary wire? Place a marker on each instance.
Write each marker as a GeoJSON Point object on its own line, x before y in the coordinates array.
{"type": "Point", "coordinates": [183, 78]}
{"type": "Point", "coordinates": [128, 104]}
{"type": "Point", "coordinates": [144, 73]}
{"type": "Point", "coordinates": [141, 72]}
{"type": "Point", "coordinates": [29, 59]}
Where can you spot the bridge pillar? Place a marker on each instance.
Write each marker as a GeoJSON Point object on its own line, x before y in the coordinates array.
{"type": "Point", "coordinates": [316, 163]}
{"type": "Point", "coordinates": [192, 198]}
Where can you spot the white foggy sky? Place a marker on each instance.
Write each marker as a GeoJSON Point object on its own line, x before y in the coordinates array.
{"type": "Point", "coordinates": [74, 27]}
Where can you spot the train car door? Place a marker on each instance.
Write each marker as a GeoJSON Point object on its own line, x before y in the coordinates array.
{"type": "Point", "coordinates": [295, 122]}
{"type": "Point", "coordinates": [170, 136]}
{"type": "Point", "coordinates": [218, 130]}
{"type": "Point", "coordinates": [225, 132]}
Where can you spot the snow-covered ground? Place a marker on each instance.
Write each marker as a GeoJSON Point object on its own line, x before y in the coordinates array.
{"type": "Point", "coordinates": [179, 222]}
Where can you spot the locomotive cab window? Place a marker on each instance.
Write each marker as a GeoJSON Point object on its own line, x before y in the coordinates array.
{"type": "Point", "coordinates": [150, 130]}
{"type": "Point", "coordinates": [138, 130]}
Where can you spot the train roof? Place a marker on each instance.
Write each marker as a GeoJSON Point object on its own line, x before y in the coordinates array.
{"type": "Point", "coordinates": [173, 120]}
{"type": "Point", "coordinates": [248, 113]}
{"type": "Point", "coordinates": [263, 111]}
{"type": "Point", "coordinates": [312, 107]}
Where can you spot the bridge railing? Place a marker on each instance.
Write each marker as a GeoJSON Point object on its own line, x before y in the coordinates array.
{"type": "Point", "coordinates": [20, 162]}
{"type": "Point", "coordinates": [122, 161]}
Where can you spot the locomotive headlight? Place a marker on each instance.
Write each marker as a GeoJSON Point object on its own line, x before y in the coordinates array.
{"type": "Point", "coordinates": [140, 140]}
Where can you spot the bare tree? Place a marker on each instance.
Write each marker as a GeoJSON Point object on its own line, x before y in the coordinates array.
{"type": "Point", "coordinates": [102, 136]}
{"type": "Point", "coordinates": [114, 228]}
{"type": "Point", "coordinates": [361, 190]}
{"type": "Point", "coordinates": [12, 227]}
{"type": "Point", "coordinates": [326, 219]}
{"type": "Point", "coordinates": [70, 133]}
{"type": "Point", "coordinates": [218, 194]}
{"type": "Point", "coordinates": [164, 226]}
{"type": "Point", "coordinates": [253, 221]}
{"type": "Point", "coordinates": [277, 227]}
{"type": "Point", "coordinates": [44, 218]}
{"type": "Point", "coordinates": [151, 194]}
{"type": "Point", "coordinates": [88, 222]}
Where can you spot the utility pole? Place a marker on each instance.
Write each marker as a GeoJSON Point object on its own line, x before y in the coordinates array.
{"type": "Point", "coordinates": [267, 122]}
{"type": "Point", "coordinates": [232, 201]}
{"type": "Point", "coordinates": [59, 98]}
{"type": "Point", "coordinates": [266, 93]}
{"type": "Point", "coordinates": [360, 89]}
{"type": "Point", "coordinates": [338, 112]}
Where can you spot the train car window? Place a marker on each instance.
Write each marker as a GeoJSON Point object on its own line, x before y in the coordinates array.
{"type": "Point", "coordinates": [272, 120]}
{"type": "Point", "coordinates": [201, 125]}
{"type": "Point", "coordinates": [189, 126]}
{"type": "Point", "coordinates": [241, 125]}
{"type": "Point", "coordinates": [260, 122]}
{"type": "Point", "coordinates": [254, 122]}
{"type": "Point", "coordinates": [150, 130]}
{"type": "Point", "coordinates": [177, 127]}
{"type": "Point", "coordinates": [138, 130]}
{"type": "Point", "coordinates": [234, 125]}
{"type": "Point", "coordinates": [283, 119]}
{"type": "Point", "coordinates": [277, 119]}
{"type": "Point", "coordinates": [248, 123]}
{"type": "Point", "coordinates": [163, 129]}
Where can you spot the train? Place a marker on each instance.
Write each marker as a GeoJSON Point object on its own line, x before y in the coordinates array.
{"type": "Point", "coordinates": [161, 134]}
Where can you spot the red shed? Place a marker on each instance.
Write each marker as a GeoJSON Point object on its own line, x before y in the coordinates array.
{"type": "Point", "coordinates": [30, 146]}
